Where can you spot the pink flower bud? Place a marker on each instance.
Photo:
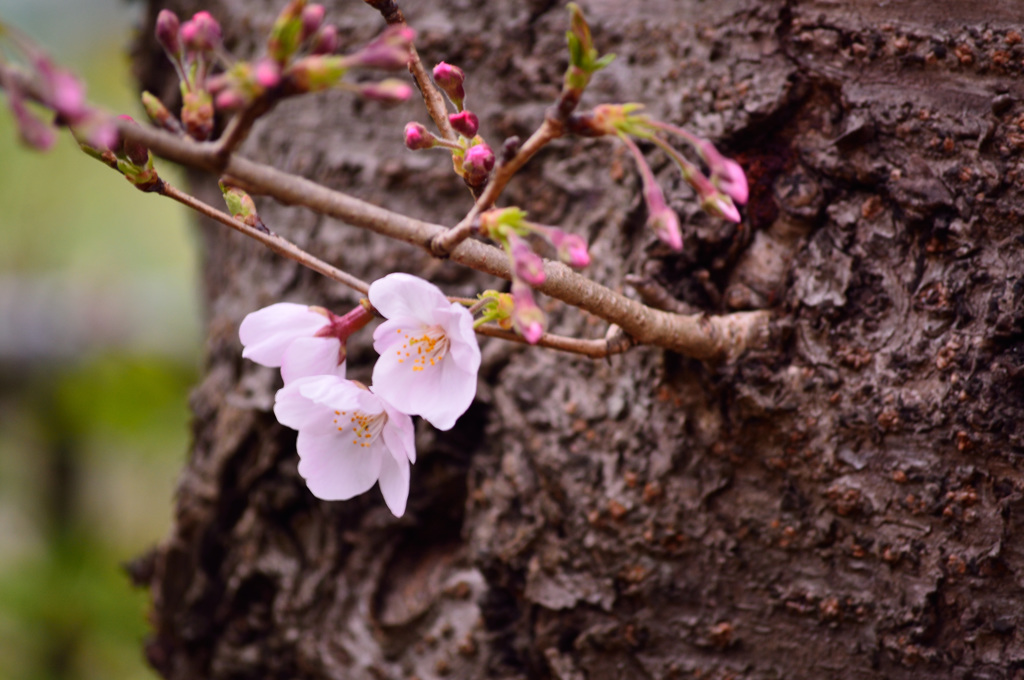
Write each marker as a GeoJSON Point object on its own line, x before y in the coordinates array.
{"type": "Point", "coordinates": [465, 123]}
{"type": "Point", "coordinates": [389, 91]}
{"type": "Point", "coordinates": [98, 130]}
{"type": "Point", "coordinates": [229, 100]}
{"type": "Point", "coordinates": [326, 41]}
{"type": "Point", "coordinates": [201, 33]}
{"type": "Point", "coordinates": [527, 318]}
{"type": "Point", "coordinates": [726, 174]}
{"type": "Point", "coordinates": [572, 250]}
{"type": "Point", "coordinates": [32, 131]}
{"type": "Point", "coordinates": [63, 93]}
{"type": "Point", "coordinates": [167, 27]}
{"type": "Point", "coordinates": [267, 73]}
{"type": "Point", "coordinates": [477, 164]}
{"type": "Point", "coordinates": [720, 205]}
{"type": "Point", "coordinates": [417, 137]}
{"type": "Point", "coordinates": [389, 51]}
{"type": "Point", "coordinates": [662, 219]}
{"type": "Point", "coordinates": [312, 18]}
{"type": "Point", "coordinates": [451, 80]}
{"type": "Point", "coordinates": [665, 224]}
{"type": "Point", "coordinates": [527, 264]}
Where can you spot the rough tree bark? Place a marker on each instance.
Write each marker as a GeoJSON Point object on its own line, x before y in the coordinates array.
{"type": "Point", "coordinates": [847, 503]}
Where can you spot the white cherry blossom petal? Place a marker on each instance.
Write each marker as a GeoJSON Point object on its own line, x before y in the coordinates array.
{"type": "Point", "coordinates": [334, 468]}
{"type": "Point", "coordinates": [311, 356]}
{"type": "Point", "coordinates": [405, 296]}
{"type": "Point", "coordinates": [400, 438]}
{"type": "Point", "coordinates": [267, 333]}
{"type": "Point", "coordinates": [429, 356]}
{"type": "Point", "coordinates": [349, 438]}
{"type": "Point", "coordinates": [394, 483]}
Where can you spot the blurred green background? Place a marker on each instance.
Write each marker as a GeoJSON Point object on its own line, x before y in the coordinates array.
{"type": "Point", "coordinates": [99, 344]}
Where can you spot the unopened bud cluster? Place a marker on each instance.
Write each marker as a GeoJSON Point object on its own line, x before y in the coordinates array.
{"type": "Point", "coordinates": [718, 191]}
{"type": "Point", "coordinates": [510, 229]}
{"type": "Point", "coordinates": [300, 57]}
{"type": "Point", "coordinates": [472, 158]}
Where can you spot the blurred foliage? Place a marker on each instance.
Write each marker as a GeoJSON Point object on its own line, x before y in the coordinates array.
{"type": "Point", "coordinates": [90, 448]}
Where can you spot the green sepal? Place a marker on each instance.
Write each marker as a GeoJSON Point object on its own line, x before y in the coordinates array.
{"type": "Point", "coordinates": [584, 60]}
{"type": "Point", "coordinates": [286, 34]}
{"type": "Point", "coordinates": [497, 224]}
{"type": "Point", "coordinates": [498, 309]}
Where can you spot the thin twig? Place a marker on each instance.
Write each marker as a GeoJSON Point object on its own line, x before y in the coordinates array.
{"type": "Point", "coordinates": [239, 126]}
{"type": "Point", "coordinates": [595, 349]}
{"type": "Point", "coordinates": [276, 243]}
{"type": "Point", "coordinates": [444, 243]}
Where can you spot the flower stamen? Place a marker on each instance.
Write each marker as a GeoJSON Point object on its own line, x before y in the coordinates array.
{"type": "Point", "coordinates": [424, 350]}
{"type": "Point", "coordinates": [366, 427]}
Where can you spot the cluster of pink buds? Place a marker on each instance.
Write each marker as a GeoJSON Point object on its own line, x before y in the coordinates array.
{"type": "Point", "coordinates": [193, 48]}
{"type": "Point", "coordinates": [472, 158]}
{"type": "Point", "coordinates": [352, 436]}
{"type": "Point", "coordinates": [718, 191]}
{"type": "Point", "coordinates": [300, 58]}
{"type": "Point", "coordinates": [57, 90]}
{"type": "Point", "coordinates": [510, 228]}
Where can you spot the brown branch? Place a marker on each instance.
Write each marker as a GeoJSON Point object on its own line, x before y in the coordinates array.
{"type": "Point", "coordinates": [595, 349]}
{"type": "Point", "coordinates": [698, 336]}
{"type": "Point", "coordinates": [276, 243]}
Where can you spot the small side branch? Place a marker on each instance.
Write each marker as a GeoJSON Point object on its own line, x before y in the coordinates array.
{"type": "Point", "coordinates": [443, 244]}
{"type": "Point", "coordinates": [279, 245]}
{"type": "Point", "coordinates": [595, 349]}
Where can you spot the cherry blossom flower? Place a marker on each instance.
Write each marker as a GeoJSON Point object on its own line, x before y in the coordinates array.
{"type": "Point", "coordinates": [303, 341]}
{"type": "Point", "coordinates": [349, 439]}
{"type": "Point", "coordinates": [429, 356]}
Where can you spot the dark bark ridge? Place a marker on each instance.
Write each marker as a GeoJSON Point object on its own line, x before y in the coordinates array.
{"type": "Point", "coordinates": [846, 504]}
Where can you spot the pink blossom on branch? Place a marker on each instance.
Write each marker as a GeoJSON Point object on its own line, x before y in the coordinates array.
{"type": "Point", "coordinates": [349, 439]}
{"type": "Point", "coordinates": [302, 341]}
{"type": "Point", "coordinates": [429, 355]}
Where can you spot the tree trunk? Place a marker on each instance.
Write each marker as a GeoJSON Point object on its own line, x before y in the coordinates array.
{"type": "Point", "coordinates": [843, 504]}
